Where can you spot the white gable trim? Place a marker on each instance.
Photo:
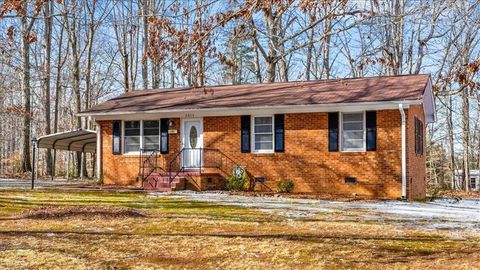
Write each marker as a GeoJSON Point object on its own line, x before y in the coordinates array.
{"type": "Point", "coordinates": [429, 104]}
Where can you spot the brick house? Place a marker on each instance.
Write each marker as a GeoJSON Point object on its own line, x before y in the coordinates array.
{"type": "Point", "coordinates": [362, 136]}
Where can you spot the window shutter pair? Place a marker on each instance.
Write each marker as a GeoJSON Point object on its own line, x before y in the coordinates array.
{"type": "Point", "coordinates": [334, 131]}
{"type": "Point", "coordinates": [279, 133]}
{"type": "Point", "coordinates": [117, 136]}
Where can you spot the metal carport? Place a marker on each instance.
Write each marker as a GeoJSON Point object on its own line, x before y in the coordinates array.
{"type": "Point", "coordinates": [80, 140]}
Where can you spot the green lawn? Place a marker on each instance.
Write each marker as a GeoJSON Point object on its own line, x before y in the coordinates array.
{"type": "Point", "coordinates": [51, 229]}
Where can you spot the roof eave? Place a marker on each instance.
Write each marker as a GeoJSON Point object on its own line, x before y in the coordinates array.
{"type": "Point", "coordinates": [229, 111]}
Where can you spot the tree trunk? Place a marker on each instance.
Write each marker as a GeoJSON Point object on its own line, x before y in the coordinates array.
{"type": "Point", "coordinates": [466, 138]}
{"type": "Point", "coordinates": [327, 27]}
{"type": "Point", "coordinates": [58, 91]}
{"type": "Point", "coordinates": [73, 42]}
{"type": "Point", "coordinates": [271, 70]}
{"type": "Point", "coordinates": [256, 63]}
{"type": "Point", "coordinates": [256, 56]}
{"type": "Point", "coordinates": [144, 4]}
{"type": "Point", "coordinates": [26, 163]}
{"type": "Point", "coordinates": [88, 73]}
{"type": "Point", "coordinates": [451, 142]}
{"type": "Point", "coordinates": [308, 65]}
{"type": "Point", "coordinates": [46, 83]}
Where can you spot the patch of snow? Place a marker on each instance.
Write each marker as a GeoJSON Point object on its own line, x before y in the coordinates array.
{"type": "Point", "coordinates": [438, 215]}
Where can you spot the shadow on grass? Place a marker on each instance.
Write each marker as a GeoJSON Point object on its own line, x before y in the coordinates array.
{"type": "Point", "coordinates": [291, 237]}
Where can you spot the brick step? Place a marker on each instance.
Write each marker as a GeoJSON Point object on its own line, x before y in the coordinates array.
{"type": "Point", "coordinates": [161, 181]}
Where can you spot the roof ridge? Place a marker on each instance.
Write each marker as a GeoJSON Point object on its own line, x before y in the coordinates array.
{"type": "Point", "coordinates": [185, 88]}
{"type": "Point", "coordinates": [340, 90]}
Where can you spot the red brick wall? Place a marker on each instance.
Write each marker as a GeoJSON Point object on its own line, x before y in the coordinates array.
{"type": "Point", "coordinates": [416, 180]}
{"type": "Point", "coordinates": [124, 169]}
{"type": "Point", "coordinates": [306, 160]}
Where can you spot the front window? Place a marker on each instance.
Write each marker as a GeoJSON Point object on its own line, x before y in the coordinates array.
{"type": "Point", "coordinates": [263, 134]}
{"type": "Point", "coordinates": [151, 135]}
{"type": "Point", "coordinates": [143, 134]}
{"type": "Point", "coordinates": [353, 132]}
{"type": "Point", "coordinates": [132, 136]}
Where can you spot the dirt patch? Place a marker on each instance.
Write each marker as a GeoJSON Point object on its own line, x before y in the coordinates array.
{"type": "Point", "coordinates": [458, 194]}
{"type": "Point", "coordinates": [82, 212]}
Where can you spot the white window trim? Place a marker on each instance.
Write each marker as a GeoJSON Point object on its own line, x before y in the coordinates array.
{"type": "Point", "coordinates": [135, 153]}
{"type": "Point", "coordinates": [364, 149]}
{"type": "Point", "coordinates": [252, 132]}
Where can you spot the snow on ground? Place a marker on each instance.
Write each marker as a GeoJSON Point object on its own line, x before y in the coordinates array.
{"type": "Point", "coordinates": [440, 214]}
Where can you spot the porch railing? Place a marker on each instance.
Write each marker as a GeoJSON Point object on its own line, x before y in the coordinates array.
{"type": "Point", "coordinates": [149, 163]}
{"type": "Point", "coordinates": [199, 159]}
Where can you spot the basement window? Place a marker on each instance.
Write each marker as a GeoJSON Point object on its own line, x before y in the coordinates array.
{"type": "Point", "coordinates": [350, 180]}
{"type": "Point", "coordinates": [261, 180]}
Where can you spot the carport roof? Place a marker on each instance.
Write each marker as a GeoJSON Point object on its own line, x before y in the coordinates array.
{"type": "Point", "coordinates": [81, 140]}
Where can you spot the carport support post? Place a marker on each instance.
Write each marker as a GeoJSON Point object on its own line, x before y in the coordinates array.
{"type": "Point", "coordinates": [34, 145]}
{"type": "Point", "coordinates": [52, 164]}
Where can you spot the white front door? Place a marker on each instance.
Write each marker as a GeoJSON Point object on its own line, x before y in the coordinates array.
{"type": "Point", "coordinates": [192, 141]}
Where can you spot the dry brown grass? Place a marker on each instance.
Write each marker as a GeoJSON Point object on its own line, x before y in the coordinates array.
{"type": "Point", "coordinates": [172, 234]}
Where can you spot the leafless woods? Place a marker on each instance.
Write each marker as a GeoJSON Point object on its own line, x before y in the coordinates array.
{"type": "Point", "coordinates": [60, 57]}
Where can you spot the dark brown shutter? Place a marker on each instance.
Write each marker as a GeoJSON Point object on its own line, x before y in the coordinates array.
{"type": "Point", "coordinates": [371, 125]}
{"type": "Point", "coordinates": [333, 132]}
{"type": "Point", "coordinates": [279, 133]}
{"type": "Point", "coordinates": [117, 137]}
{"type": "Point", "coordinates": [245, 134]}
{"type": "Point", "coordinates": [416, 135]}
{"type": "Point", "coordinates": [420, 137]}
{"type": "Point", "coordinates": [164, 136]}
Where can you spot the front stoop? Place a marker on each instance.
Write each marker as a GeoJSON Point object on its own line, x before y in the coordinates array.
{"type": "Point", "coordinates": [193, 180]}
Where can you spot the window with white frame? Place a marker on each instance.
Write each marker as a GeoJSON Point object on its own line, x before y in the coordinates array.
{"type": "Point", "coordinates": [132, 136]}
{"type": "Point", "coordinates": [262, 134]}
{"type": "Point", "coordinates": [353, 132]}
{"type": "Point", "coordinates": [151, 135]}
